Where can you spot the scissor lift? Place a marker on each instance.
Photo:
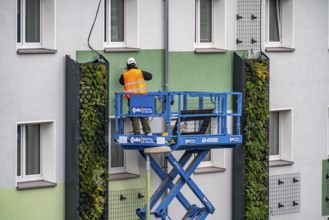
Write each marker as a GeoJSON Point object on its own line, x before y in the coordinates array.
{"type": "Point", "coordinates": [194, 122]}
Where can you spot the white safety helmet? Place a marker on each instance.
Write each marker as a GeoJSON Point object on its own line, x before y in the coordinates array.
{"type": "Point", "coordinates": [131, 60]}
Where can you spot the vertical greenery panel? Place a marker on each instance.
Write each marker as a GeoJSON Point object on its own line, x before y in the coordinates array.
{"type": "Point", "coordinates": [255, 136]}
{"type": "Point", "coordinates": [93, 164]}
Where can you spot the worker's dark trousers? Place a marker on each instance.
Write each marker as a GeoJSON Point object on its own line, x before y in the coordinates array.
{"type": "Point", "coordinates": [145, 125]}
{"type": "Point", "coordinates": [144, 121]}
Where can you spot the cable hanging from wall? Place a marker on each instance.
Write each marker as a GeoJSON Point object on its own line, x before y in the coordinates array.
{"type": "Point", "coordinates": [99, 56]}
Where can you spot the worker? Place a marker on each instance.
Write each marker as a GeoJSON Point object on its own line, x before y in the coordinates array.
{"type": "Point", "coordinates": [133, 80]}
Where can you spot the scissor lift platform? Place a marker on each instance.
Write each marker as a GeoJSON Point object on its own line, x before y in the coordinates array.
{"type": "Point", "coordinates": [194, 122]}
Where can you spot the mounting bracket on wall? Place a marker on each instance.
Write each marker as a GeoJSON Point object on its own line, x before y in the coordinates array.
{"type": "Point", "coordinates": [249, 25]}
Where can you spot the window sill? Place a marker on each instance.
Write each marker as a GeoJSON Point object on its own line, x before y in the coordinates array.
{"type": "Point", "coordinates": [35, 185]}
{"type": "Point", "coordinates": [279, 49]}
{"type": "Point", "coordinates": [36, 51]}
{"type": "Point", "coordinates": [121, 49]}
{"type": "Point", "coordinates": [203, 170]}
{"type": "Point", "coordinates": [209, 50]}
{"type": "Point", "coordinates": [123, 176]}
{"type": "Point", "coordinates": [280, 163]}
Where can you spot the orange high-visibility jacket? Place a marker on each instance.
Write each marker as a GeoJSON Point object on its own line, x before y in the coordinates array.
{"type": "Point", "coordinates": [134, 82]}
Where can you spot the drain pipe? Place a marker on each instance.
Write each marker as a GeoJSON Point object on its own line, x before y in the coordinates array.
{"type": "Point", "coordinates": [166, 71]}
{"type": "Point", "coordinates": [166, 59]}
{"type": "Point", "coordinates": [148, 187]}
{"type": "Point", "coordinates": [166, 43]}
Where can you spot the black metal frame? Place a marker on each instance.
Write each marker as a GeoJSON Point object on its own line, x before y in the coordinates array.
{"type": "Point", "coordinates": [72, 133]}
{"type": "Point", "coordinates": [239, 154]}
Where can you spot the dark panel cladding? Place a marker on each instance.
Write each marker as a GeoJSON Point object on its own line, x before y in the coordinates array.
{"type": "Point", "coordinates": [239, 154]}
{"type": "Point", "coordinates": [72, 139]}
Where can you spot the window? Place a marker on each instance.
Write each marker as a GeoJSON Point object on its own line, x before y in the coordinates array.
{"type": "Point", "coordinates": [121, 23]}
{"type": "Point", "coordinates": [279, 23]}
{"type": "Point", "coordinates": [31, 23]}
{"type": "Point", "coordinates": [122, 161]}
{"type": "Point", "coordinates": [35, 152]}
{"type": "Point", "coordinates": [210, 24]}
{"type": "Point", "coordinates": [328, 23]}
{"type": "Point", "coordinates": [216, 157]}
{"type": "Point", "coordinates": [280, 135]}
{"type": "Point", "coordinates": [204, 21]}
{"type": "Point", "coordinates": [275, 21]}
{"type": "Point", "coordinates": [28, 151]}
{"type": "Point", "coordinates": [117, 152]}
{"type": "Point", "coordinates": [35, 24]}
{"type": "Point", "coordinates": [207, 160]}
{"type": "Point", "coordinates": [274, 135]}
{"type": "Point", "coordinates": [328, 132]}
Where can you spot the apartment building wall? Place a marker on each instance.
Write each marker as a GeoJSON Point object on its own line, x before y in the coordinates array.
{"type": "Point", "coordinates": [32, 90]}
{"type": "Point", "coordinates": [299, 82]}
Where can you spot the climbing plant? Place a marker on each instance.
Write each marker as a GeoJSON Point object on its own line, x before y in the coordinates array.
{"type": "Point", "coordinates": [92, 150]}
{"type": "Point", "coordinates": [255, 134]}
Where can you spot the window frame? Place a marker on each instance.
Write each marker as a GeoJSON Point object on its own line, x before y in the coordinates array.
{"type": "Point", "coordinates": [115, 169]}
{"type": "Point", "coordinates": [47, 44]}
{"type": "Point", "coordinates": [131, 26]}
{"type": "Point", "coordinates": [131, 164]}
{"type": "Point", "coordinates": [287, 27]}
{"type": "Point", "coordinates": [198, 26]}
{"type": "Point", "coordinates": [275, 156]}
{"type": "Point", "coordinates": [24, 177]}
{"type": "Point", "coordinates": [22, 28]}
{"type": "Point", "coordinates": [208, 163]}
{"type": "Point", "coordinates": [285, 135]}
{"type": "Point", "coordinates": [328, 130]}
{"type": "Point", "coordinates": [217, 160]}
{"type": "Point", "coordinates": [279, 23]}
{"type": "Point", "coordinates": [218, 156]}
{"type": "Point", "coordinates": [108, 22]}
{"type": "Point", "coordinates": [218, 44]}
{"type": "Point", "coordinates": [47, 153]}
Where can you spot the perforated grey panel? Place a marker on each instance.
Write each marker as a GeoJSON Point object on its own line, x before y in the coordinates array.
{"type": "Point", "coordinates": [249, 25]}
{"type": "Point", "coordinates": [123, 203]}
{"type": "Point", "coordinates": [284, 194]}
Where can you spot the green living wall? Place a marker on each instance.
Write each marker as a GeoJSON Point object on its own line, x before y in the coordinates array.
{"type": "Point", "coordinates": [250, 161]}
{"type": "Point", "coordinates": [86, 173]}
{"type": "Point", "coordinates": [93, 160]}
{"type": "Point", "coordinates": [255, 134]}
